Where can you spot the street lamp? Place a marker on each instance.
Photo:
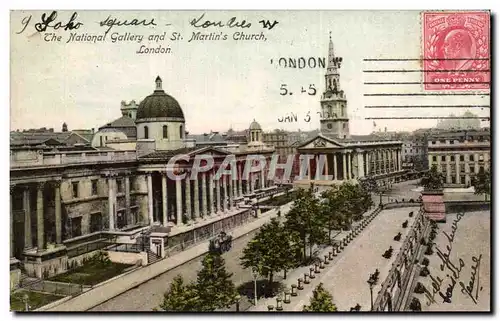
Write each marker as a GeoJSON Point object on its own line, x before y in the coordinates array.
{"type": "Point", "coordinates": [238, 298]}
{"type": "Point", "coordinates": [254, 274]}
{"type": "Point", "coordinates": [26, 300]}
{"type": "Point", "coordinates": [371, 282]}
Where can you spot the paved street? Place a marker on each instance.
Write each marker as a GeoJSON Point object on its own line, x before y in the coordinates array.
{"type": "Point", "coordinates": [472, 239]}
{"type": "Point", "coordinates": [149, 295]}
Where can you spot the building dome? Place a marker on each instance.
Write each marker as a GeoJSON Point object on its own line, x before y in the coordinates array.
{"type": "Point", "coordinates": [159, 105]}
{"type": "Point", "coordinates": [255, 126]}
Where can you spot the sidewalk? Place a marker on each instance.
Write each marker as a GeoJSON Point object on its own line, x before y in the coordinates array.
{"type": "Point", "coordinates": [107, 291]}
{"type": "Point", "coordinates": [303, 295]}
{"type": "Point", "coordinates": [362, 255]}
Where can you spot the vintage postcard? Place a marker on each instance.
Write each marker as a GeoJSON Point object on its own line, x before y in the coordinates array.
{"type": "Point", "coordinates": [242, 161]}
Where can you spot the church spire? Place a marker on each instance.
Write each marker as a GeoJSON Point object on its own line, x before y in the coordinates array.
{"type": "Point", "coordinates": [331, 54]}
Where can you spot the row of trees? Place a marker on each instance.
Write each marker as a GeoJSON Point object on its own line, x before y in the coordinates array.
{"type": "Point", "coordinates": [213, 289]}
{"type": "Point", "coordinates": [281, 246]}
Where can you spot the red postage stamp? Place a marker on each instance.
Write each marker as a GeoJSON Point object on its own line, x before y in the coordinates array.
{"type": "Point", "coordinates": [456, 50]}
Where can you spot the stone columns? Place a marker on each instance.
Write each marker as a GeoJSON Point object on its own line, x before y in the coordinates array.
{"type": "Point", "coordinates": [394, 160]}
{"type": "Point", "coordinates": [361, 167]}
{"type": "Point", "coordinates": [457, 169]}
{"type": "Point", "coordinates": [204, 210]}
{"type": "Point", "coordinates": [335, 176]}
{"type": "Point", "coordinates": [40, 228]}
{"type": "Point", "coordinates": [262, 179]}
{"type": "Point", "coordinates": [240, 181]}
{"type": "Point", "coordinates": [398, 154]}
{"type": "Point", "coordinates": [230, 192]}
{"type": "Point", "coordinates": [326, 167]}
{"type": "Point", "coordinates": [448, 169]}
{"type": "Point", "coordinates": [11, 222]}
{"type": "Point", "coordinates": [178, 197]}
{"type": "Point", "coordinates": [217, 191]}
{"type": "Point", "coordinates": [28, 240]}
{"type": "Point", "coordinates": [224, 187]}
{"type": "Point", "coordinates": [127, 200]}
{"type": "Point", "coordinates": [249, 178]}
{"type": "Point", "coordinates": [57, 200]}
{"type": "Point", "coordinates": [187, 181]}
{"type": "Point", "coordinates": [344, 166]}
{"type": "Point", "coordinates": [150, 198]}
{"type": "Point", "coordinates": [349, 165]}
{"type": "Point", "coordinates": [164, 198]}
{"type": "Point", "coordinates": [196, 213]}
{"type": "Point", "coordinates": [211, 191]}
{"type": "Point", "coordinates": [234, 183]}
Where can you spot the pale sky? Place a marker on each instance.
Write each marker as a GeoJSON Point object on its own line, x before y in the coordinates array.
{"type": "Point", "coordinates": [220, 83]}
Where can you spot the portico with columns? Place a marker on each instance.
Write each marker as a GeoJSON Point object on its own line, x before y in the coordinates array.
{"type": "Point", "coordinates": [344, 161]}
{"type": "Point", "coordinates": [178, 195]}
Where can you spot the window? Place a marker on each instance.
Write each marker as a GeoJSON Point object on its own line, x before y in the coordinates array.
{"type": "Point", "coordinates": [434, 158]}
{"type": "Point", "coordinates": [481, 169]}
{"type": "Point", "coordinates": [100, 141]}
{"type": "Point", "coordinates": [119, 185]}
{"type": "Point", "coordinates": [329, 126]}
{"type": "Point", "coordinates": [453, 180]}
{"type": "Point", "coordinates": [452, 142]}
{"type": "Point", "coordinates": [462, 158]}
{"type": "Point", "coordinates": [471, 169]}
{"type": "Point", "coordinates": [75, 189]}
{"type": "Point", "coordinates": [95, 222]}
{"type": "Point", "coordinates": [94, 187]}
{"type": "Point", "coordinates": [165, 131]}
{"type": "Point", "coordinates": [462, 180]}
{"type": "Point", "coordinates": [146, 132]}
{"type": "Point", "coordinates": [443, 158]}
{"type": "Point", "coordinates": [442, 141]}
{"type": "Point", "coordinates": [443, 168]}
{"type": "Point", "coordinates": [181, 133]}
{"type": "Point", "coordinates": [471, 158]}
{"type": "Point", "coordinates": [481, 157]}
{"type": "Point", "coordinates": [452, 158]}
{"type": "Point", "coordinates": [433, 142]}
{"type": "Point", "coordinates": [462, 168]}
{"type": "Point", "coordinates": [131, 183]}
{"type": "Point", "coordinates": [76, 226]}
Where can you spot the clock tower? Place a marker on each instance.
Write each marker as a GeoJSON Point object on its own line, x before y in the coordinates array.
{"type": "Point", "coordinates": [334, 119]}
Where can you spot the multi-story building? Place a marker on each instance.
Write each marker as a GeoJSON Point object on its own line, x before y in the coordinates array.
{"type": "Point", "coordinates": [414, 153]}
{"type": "Point", "coordinates": [66, 200]}
{"type": "Point", "coordinates": [279, 139]}
{"type": "Point", "coordinates": [460, 154]}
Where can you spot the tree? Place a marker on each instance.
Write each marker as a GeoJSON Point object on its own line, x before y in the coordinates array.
{"type": "Point", "coordinates": [321, 301]}
{"type": "Point", "coordinates": [180, 297]}
{"type": "Point", "coordinates": [331, 209]}
{"type": "Point", "coordinates": [356, 200]}
{"type": "Point", "coordinates": [305, 220]}
{"type": "Point", "coordinates": [433, 179]}
{"type": "Point", "coordinates": [482, 183]}
{"type": "Point", "coordinates": [214, 286]}
{"type": "Point", "coordinates": [273, 249]}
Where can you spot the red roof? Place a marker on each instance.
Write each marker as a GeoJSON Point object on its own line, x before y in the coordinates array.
{"type": "Point", "coordinates": [433, 203]}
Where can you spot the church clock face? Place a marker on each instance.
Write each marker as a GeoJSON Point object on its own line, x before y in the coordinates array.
{"type": "Point", "coordinates": [329, 126]}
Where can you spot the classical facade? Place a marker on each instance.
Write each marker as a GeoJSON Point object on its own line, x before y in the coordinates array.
{"type": "Point", "coordinates": [67, 202]}
{"type": "Point", "coordinates": [336, 154]}
{"type": "Point", "coordinates": [460, 154]}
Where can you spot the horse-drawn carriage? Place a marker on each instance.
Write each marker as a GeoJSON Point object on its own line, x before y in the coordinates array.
{"type": "Point", "coordinates": [221, 243]}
